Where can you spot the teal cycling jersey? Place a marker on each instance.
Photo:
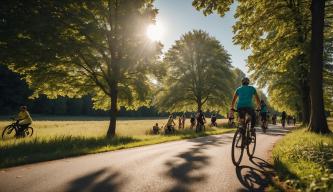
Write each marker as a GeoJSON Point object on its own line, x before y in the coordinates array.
{"type": "Point", "coordinates": [245, 95]}
{"type": "Point", "coordinates": [263, 108]}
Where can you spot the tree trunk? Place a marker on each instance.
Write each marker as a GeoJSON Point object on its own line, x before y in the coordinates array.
{"type": "Point", "coordinates": [199, 105]}
{"type": "Point", "coordinates": [305, 104]}
{"type": "Point", "coordinates": [318, 121]}
{"type": "Point", "coordinates": [113, 112]}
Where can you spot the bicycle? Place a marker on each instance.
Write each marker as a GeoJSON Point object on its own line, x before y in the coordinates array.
{"type": "Point", "coordinates": [283, 123]}
{"type": "Point", "coordinates": [264, 125]}
{"type": "Point", "coordinates": [243, 138]}
{"type": "Point", "coordinates": [12, 130]}
{"type": "Point", "coordinates": [213, 124]}
{"type": "Point", "coordinates": [169, 130]}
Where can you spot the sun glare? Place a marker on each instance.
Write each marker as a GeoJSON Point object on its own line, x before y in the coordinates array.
{"type": "Point", "coordinates": [154, 32]}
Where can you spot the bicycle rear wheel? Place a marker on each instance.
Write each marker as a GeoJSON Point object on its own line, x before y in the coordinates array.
{"type": "Point", "coordinates": [28, 132]}
{"type": "Point", "coordinates": [251, 145]}
{"type": "Point", "coordinates": [237, 148]}
{"type": "Point", "coordinates": [9, 132]}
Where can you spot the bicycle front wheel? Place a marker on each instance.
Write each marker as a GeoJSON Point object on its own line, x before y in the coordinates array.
{"type": "Point", "coordinates": [9, 132]}
{"type": "Point", "coordinates": [237, 148]}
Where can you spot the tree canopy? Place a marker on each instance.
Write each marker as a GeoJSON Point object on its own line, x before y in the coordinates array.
{"type": "Point", "coordinates": [279, 35]}
{"type": "Point", "coordinates": [73, 48]}
{"type": "Point", "coordinates": [198, 75]}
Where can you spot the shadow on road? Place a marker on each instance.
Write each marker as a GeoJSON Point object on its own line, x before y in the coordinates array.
{"type": "Point", "coordinates": [274, 131]}
{"type": "Point", "coordinates": [187, 171]}
{"type": "Point", "coordinates": [258, 175]}
{"type": "Point", "coordinates": [255, 178]}
{"type": "Point", "coordinates": [98, 181]}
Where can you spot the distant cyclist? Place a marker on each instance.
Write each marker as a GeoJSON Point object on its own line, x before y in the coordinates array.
{"type": "Point", "coordinates": [170, 126]}
{"type": "Point", "coordinates": [274, 117]}
{"type": "Point", "coordinates": [245, 94]}
{"type": "Point", "coordinates": [263, 113]}
{"type": "Point", "coordinates": [24, 119]}
{"type": "Point", "coordinates": [213, 120]}
{"type": "Point", "coordinates": [283, 118]}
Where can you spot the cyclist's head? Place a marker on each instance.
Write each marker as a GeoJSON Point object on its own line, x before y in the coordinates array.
{"type": "Point", "coordinates": [245, 81]}
{"type": "Point", "coordinates": [262, 101]}
{"type": "Point", "coordinates": [23, 108]}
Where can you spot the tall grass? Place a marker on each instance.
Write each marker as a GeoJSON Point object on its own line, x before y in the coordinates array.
{"type": "Point", "coordinates": [59, 139]}
{"type": "Point", "coordinates": [304, 161]}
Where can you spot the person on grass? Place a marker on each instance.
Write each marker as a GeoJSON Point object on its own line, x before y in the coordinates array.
{"type": "Point", "coordinates": [156, 129]}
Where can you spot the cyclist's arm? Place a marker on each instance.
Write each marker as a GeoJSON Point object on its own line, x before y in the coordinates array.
{"type": "Point", "coordinates": [233, 101]}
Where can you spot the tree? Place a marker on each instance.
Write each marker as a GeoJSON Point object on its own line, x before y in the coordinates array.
{"type": "Point", "coordinates": [75, 48]}
{"type": "Point", "coordinates": [198, 74]}
{"type": "Point", "coordinates": [318, 122]}
{"type": "Point", "coordinates": [278, 33]}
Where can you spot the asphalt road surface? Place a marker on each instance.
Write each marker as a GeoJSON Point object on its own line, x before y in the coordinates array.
{"type": "Point", "coordinates": [202, 164]}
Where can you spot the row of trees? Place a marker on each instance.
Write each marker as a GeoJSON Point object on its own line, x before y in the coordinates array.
{"type": "Point", "coordinates": [291, 44]}
{"type": "Point", "coordinates": [15, 92]}
{"type": "Point", "coordinates": [99, 48]}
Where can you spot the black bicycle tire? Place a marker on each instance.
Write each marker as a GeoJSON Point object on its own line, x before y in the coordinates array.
{"type": "Point", "coordinates": [236, 163]}
{"type": "Point", "coordinates": [32, 131]}
{"type": "Point", "coordinates": [4, 130]}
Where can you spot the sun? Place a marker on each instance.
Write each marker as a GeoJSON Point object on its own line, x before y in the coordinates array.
{"type": "Point", "coordinates": [154, 32]}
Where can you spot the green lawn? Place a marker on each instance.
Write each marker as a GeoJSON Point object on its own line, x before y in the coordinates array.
{"type": "Point", "coordinates": [59, 139]}
{"type": "Point", "coordinates": [304, 161]}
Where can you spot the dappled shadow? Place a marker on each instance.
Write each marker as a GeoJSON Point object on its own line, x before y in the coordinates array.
{"type": "Point", "coordinates": [98, 181]}
{"type": "Point", "coordinates": [262, 164]}
{"type": "Point", "coordinates": [184, 168]}
{"type": "Point", "coordinates": [255, 177]}
{"type": "Point", "coordinates": [37, 150]}
{"type": "Point", "coordinates": [274, 131]}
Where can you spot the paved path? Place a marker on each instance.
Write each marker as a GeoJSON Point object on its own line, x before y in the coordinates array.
{"type": "Point", "coordinates": [202, 164]}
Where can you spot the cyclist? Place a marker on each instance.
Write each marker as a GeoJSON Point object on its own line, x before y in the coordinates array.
{"type": "Point", "coordinates": [245, 94]}
{"type": "Point", "coordinates": [201, 120]}
{"type": "Point", "coordinates": [274, 117]}
{"type": "Point", "coordinates": [263, 113]}
{"type": "Point", "coordinates": [213, 120]}
{"type": "Point", "coordinates": [283, 118]}
{"type": "Point", "coordinates": [24, 119]}
{"type": "Point", "coordinates": [170, 125]}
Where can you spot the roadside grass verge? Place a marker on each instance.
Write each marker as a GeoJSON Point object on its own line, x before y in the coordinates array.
{"type": "Point", "coordinates": [37, 149]}
{"type": "Point", "coordinates": [304, 161]}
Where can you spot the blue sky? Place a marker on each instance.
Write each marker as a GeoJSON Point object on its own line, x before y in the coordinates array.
{"type": "Point", "coordinates": [179, 16]}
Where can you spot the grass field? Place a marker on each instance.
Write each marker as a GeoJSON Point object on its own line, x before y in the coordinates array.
{"type": "Point", "coordinates": [304, 161]}
{"type": "Point", "coordinates": [58, 139]}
